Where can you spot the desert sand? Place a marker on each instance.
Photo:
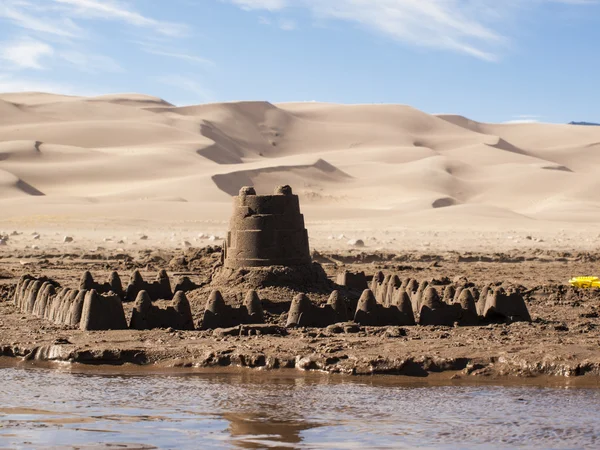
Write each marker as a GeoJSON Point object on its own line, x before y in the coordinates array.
{"type": "Point", "coordinates": [110, 168]}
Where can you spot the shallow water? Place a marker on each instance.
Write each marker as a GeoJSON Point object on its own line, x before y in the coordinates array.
{"type": "Point", "coordinates": [42, 408]}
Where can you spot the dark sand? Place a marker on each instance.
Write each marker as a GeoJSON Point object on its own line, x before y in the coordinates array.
{"type": "Point", "coordinates": [562, 341]}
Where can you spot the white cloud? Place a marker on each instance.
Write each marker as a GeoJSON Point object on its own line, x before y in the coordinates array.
{"type": "Point", "coordinates": [160, 51]}
{"type": "Point", "coordinates": [520, 121]}
{"type": "Point", "coordinates": [32, 54]}
{"type": "Point", "coordinates": [528, 116]}
{"type": "Point", "coordinates": [465, 26]}
{"type": "Point", "coordinates": [87, 62]}
{"type": "Point", "coordinates": [287, 24]}
{"type": "Point", "coordinates": [525, 118]}
{"type": "Point", "coordinates": [64, 32]}
{"type": "Point", "coordinates": [25, 54]}
{"type": "Point", "coordinates": [270, 5]}
{"type": "Point", "coordinates": [17, 13]}
{"type": "Point", "coordinates": [282, 24]}
{"type": "Point", "coordinates": [110, 10]}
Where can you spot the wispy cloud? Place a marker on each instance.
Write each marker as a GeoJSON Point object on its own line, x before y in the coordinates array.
{"type": "Point", "coordinates": [24, 15]}
{"type": "Point", "coordinates": [524, 118]}
{"type": "Point", "coordinates": [270, 5]}
{"type": "Point", "coordinates": [161, 50]}
{"type": "Point", "coordinates": [64, 32]}
{"type": "Point", "coordinates": [109, 10]}
{"type": "Point", "coordinates": [520, 121]}
{"type": "Point", "coordinates": [465, 26]}
{"type": "Point", "coordinates": [87, 62]}
{"type": "Point", "coordinates": [282, 24]}
{"type": "Point", "coordinates": [287, 24]}
{"type": "Point", "coordinates": [25, 54]}
{"type": "Point", "coordinates": [28, 53]}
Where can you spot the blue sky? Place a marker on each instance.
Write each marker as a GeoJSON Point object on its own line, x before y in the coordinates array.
{"type": "Point", "coordinates": [490, 60]}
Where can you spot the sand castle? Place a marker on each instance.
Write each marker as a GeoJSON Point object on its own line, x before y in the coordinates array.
{"type": "Point", "coordinates": [94, 306]}
{"type": "Point", "coordinates": [87, 309]}
{"type": "Point", "coordinates": [159, 289]}
{"type": "Point", "coordinates": [303, 313]}
{"type": "Point", "coordinates": [146, 316]}
{"type": "Point", "coordinates": [218, 314]}
{"type": "Point", "coordinates": [268, 237]}
{"type": "Point", "coordinates": [390, 301]}
{"type": "Point", "coordinates": [266, 230]}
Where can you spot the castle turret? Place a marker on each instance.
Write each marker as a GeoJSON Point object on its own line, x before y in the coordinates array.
{"type": "Point", "coordinates": [266, 230]}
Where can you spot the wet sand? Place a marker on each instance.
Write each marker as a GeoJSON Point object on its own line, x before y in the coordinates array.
{"type": "Point", "coordinates": [562, 341]}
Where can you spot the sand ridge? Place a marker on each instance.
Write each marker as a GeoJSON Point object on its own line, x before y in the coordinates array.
{"type": "Point", "coordinates": [390, 163]}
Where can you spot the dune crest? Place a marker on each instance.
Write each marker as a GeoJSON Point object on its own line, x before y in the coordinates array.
{"type": "Point", "coordinates": [392, 160]}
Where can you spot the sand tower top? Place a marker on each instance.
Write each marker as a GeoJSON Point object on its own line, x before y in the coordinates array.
{"type": "Point", "coordinates": [266, 230]}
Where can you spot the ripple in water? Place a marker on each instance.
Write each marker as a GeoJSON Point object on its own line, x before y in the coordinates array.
{"type": "Point", "coordinates": [49, 409]}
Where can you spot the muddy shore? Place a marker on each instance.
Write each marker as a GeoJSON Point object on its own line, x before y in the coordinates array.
{"type": "Point", "coordinates": [563, 340]}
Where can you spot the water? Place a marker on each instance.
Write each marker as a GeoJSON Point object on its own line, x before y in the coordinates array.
{"type": "Point", "coordinates": [42, 408]}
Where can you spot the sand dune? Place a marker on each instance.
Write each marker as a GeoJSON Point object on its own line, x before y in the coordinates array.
{"type": "Point", "coordinates": [391, 163]}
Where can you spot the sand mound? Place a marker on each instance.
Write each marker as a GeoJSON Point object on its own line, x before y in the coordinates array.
{"type": "Point", "coordinates": [376, 164]}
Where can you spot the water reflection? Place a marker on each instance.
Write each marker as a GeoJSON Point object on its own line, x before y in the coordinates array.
{"type": "Point", "coordinates": [49, 409]}
{"type": "Point", "coordinates": [261, 430]}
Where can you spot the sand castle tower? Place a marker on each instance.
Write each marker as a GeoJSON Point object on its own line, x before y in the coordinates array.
{"type": "Point", "coordinates": [266, 230]}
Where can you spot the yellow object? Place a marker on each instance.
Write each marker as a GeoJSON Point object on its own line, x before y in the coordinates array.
{"type": "Point", "coordinates": [585, 282]}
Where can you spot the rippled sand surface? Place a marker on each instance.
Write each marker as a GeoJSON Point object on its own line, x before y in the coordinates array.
{"type": "Point", "coordinates": [52, 409]}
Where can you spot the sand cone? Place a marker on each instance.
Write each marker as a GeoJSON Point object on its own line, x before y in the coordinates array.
{"type": "Point", "coordinates": [366, 310]}
{"type": "Point", "coordinates": [501, 306]}
{"type": "Point", "coordinates": [469, 309]}
{"type": "Point", "coordinates": [340, 311]}
{"type": "Point", "coordinates": [136, 284]}
{"type": "Point", "coordinates": [300, 312]}
{"type": "Point", "coordinates": [77, 308]}
{"type": "Point", "coordinates": [87, 281]}
{"type": "Point", "coordinates": [435, 312]}
{"type": "Point", "coordinates": [44, 296]}
{"type": "Point", "coordinates": [449, 293]}
{"type": "Point", "coordinates": [102, 312]}
{"type": "Point", "coordinates": [19, 289]}
{"type": "Point", "coordinates": [417, 298]}
{"type": "Point", "coordinates": [412, 286]}
{"type": "Point", "coordinates": [482, 300]}
{"type": "Point", "coordinates": [402, 302]}
{"type": "Point", "coordinates": [254, 307]}
{"type": "Point", "coordinates": [32, 296]}
{"type": "Point", "coordinates": [182, 306]}
{"type": "Point", "coordinates": [116, 286]}
{"type": "Point", "coordinates": [142, 310]}
{"type": "Point", "coordinates": [457, 293]}
{"type": "Point", "coordinates": [164, 283]}
{"type": "Point", "coordinates": [376, 281]}
{"type": "Point", "coordinates": [215, 312]}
